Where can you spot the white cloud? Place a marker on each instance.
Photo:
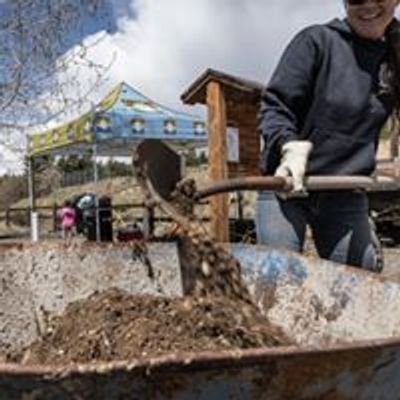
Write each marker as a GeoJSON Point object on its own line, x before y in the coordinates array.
{"type": "Point", "coordinates": [171, 42]}
{"type": "Point", "coordinates": [11, 162]}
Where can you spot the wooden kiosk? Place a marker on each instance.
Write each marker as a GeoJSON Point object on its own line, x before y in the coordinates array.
{"type": "Point", "coordinates": [232, 103]}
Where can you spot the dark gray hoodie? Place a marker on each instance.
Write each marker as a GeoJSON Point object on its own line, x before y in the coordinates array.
{"type": "Point", "coordinates": [328, 88]}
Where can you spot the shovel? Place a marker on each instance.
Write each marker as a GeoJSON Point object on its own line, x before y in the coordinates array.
{"type": "Point", "coordinates": [160, 174]}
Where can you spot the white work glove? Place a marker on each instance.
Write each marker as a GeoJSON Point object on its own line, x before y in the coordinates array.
{"type": "Point", "coordinates": [294, 162]}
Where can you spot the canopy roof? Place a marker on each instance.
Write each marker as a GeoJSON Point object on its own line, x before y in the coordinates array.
{"type": "Point", "coordinates": [117, 124]}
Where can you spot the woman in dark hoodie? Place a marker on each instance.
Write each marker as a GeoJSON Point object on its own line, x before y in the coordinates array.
{"type": "Point", "coordinates": [321, 114]}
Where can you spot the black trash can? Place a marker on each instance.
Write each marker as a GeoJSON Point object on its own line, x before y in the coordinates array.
{"type": "Point", "coordinates": [105, 219]}
{"type": "Point", "coordinates": [85, 205]}
{"type": "Point", "coordinates": [90, 223]}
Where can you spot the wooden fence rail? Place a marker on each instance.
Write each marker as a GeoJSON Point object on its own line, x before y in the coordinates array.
{"type": "Point", "coordinates": [50, 212]}
{"type": "Point", "coordinates": [147, 216]}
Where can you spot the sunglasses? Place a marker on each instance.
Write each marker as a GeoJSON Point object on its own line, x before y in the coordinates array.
{"type": "Point", "coordinates": [362, 2]}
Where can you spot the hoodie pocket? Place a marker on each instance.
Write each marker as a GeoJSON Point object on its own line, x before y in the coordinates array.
{"type": "Point", "coordinates": [337, 153]}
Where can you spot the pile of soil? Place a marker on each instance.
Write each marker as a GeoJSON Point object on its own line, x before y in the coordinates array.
{"type": "Point", "coordinates": [114, 325]}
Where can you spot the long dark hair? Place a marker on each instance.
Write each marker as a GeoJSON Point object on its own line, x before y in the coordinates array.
{"type": "Point", "coordinates": [392, 37]}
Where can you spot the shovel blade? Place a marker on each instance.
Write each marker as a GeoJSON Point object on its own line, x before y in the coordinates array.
{"type": "Point", "coordinates": [161, 166]}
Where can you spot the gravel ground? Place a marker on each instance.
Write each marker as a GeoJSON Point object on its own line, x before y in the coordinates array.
{"type": "Point", "coordinates": [392, 264]}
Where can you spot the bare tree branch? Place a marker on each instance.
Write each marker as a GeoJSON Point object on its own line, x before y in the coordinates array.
{"type": "Point", "coordinates": [35, 48]}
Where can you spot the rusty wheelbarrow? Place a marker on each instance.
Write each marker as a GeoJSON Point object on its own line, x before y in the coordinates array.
{"type": "Point", "coordinates": [346, 323]}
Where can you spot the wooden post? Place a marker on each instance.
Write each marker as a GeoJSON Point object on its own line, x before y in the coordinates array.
{"type": "Point", "coordinates": [28, 214]}
{"type": "Point", "coordinates": [239, 205]}
{"type": "Point", "coordinates": [7, 216]}
{"type": "Point", "coordinates": [217, 159]}
{"type": "Point", "coordinates": [55, 221]}
{"type": "Point", "coordinates": [148, 222]}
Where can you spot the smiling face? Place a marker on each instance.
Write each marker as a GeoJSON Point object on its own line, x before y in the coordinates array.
{"type": "Point", "coordinates": [370, 18]}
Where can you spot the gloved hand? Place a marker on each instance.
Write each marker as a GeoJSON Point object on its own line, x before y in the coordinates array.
{"type": "Point", "coordinates": [294, 162]}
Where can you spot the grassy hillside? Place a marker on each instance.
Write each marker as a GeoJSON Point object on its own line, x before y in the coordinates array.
{"type": "Point", "coordinates": [123, 190]}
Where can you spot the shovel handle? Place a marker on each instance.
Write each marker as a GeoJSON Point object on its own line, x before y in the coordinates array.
{"type": "Point", "coordinates": [312, 183]}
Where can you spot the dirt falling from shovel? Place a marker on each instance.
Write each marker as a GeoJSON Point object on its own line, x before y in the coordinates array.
{"type": "Point", "coordinates": [208, 268]}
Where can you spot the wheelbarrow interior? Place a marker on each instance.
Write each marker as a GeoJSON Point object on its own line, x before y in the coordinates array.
{"type": "Point", "coordinates": [315, 302]}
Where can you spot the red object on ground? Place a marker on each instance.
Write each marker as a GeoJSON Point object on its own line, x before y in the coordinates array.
{"type": "Point", "coordinates": [130, 234]}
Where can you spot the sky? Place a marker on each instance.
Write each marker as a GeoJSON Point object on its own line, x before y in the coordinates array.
{"type": "Point", "coordinates": [168, 44]}
{"type": "Point", "coordinates": [161, 46]}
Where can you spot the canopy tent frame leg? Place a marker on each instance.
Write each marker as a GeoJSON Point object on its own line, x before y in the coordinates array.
{"type": "Point", "coordinates": [33, 216]}
{"type": "Point", "coordinates": [96, 179]}
{"type": "Point", "coordinates": [31, 184]}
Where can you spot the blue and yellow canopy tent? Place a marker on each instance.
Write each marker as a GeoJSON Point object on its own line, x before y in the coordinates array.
{"type": "Point", "coordinates": [117, 124]}
{"type": "Point", "coordinates": [114, 127]}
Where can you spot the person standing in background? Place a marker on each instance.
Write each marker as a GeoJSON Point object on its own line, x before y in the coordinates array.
{"type": "Point", "coordinates": [67, 218]}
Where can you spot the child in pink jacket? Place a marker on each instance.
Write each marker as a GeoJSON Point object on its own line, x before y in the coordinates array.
{"type": "Point", "coordinates": [67, 218]}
